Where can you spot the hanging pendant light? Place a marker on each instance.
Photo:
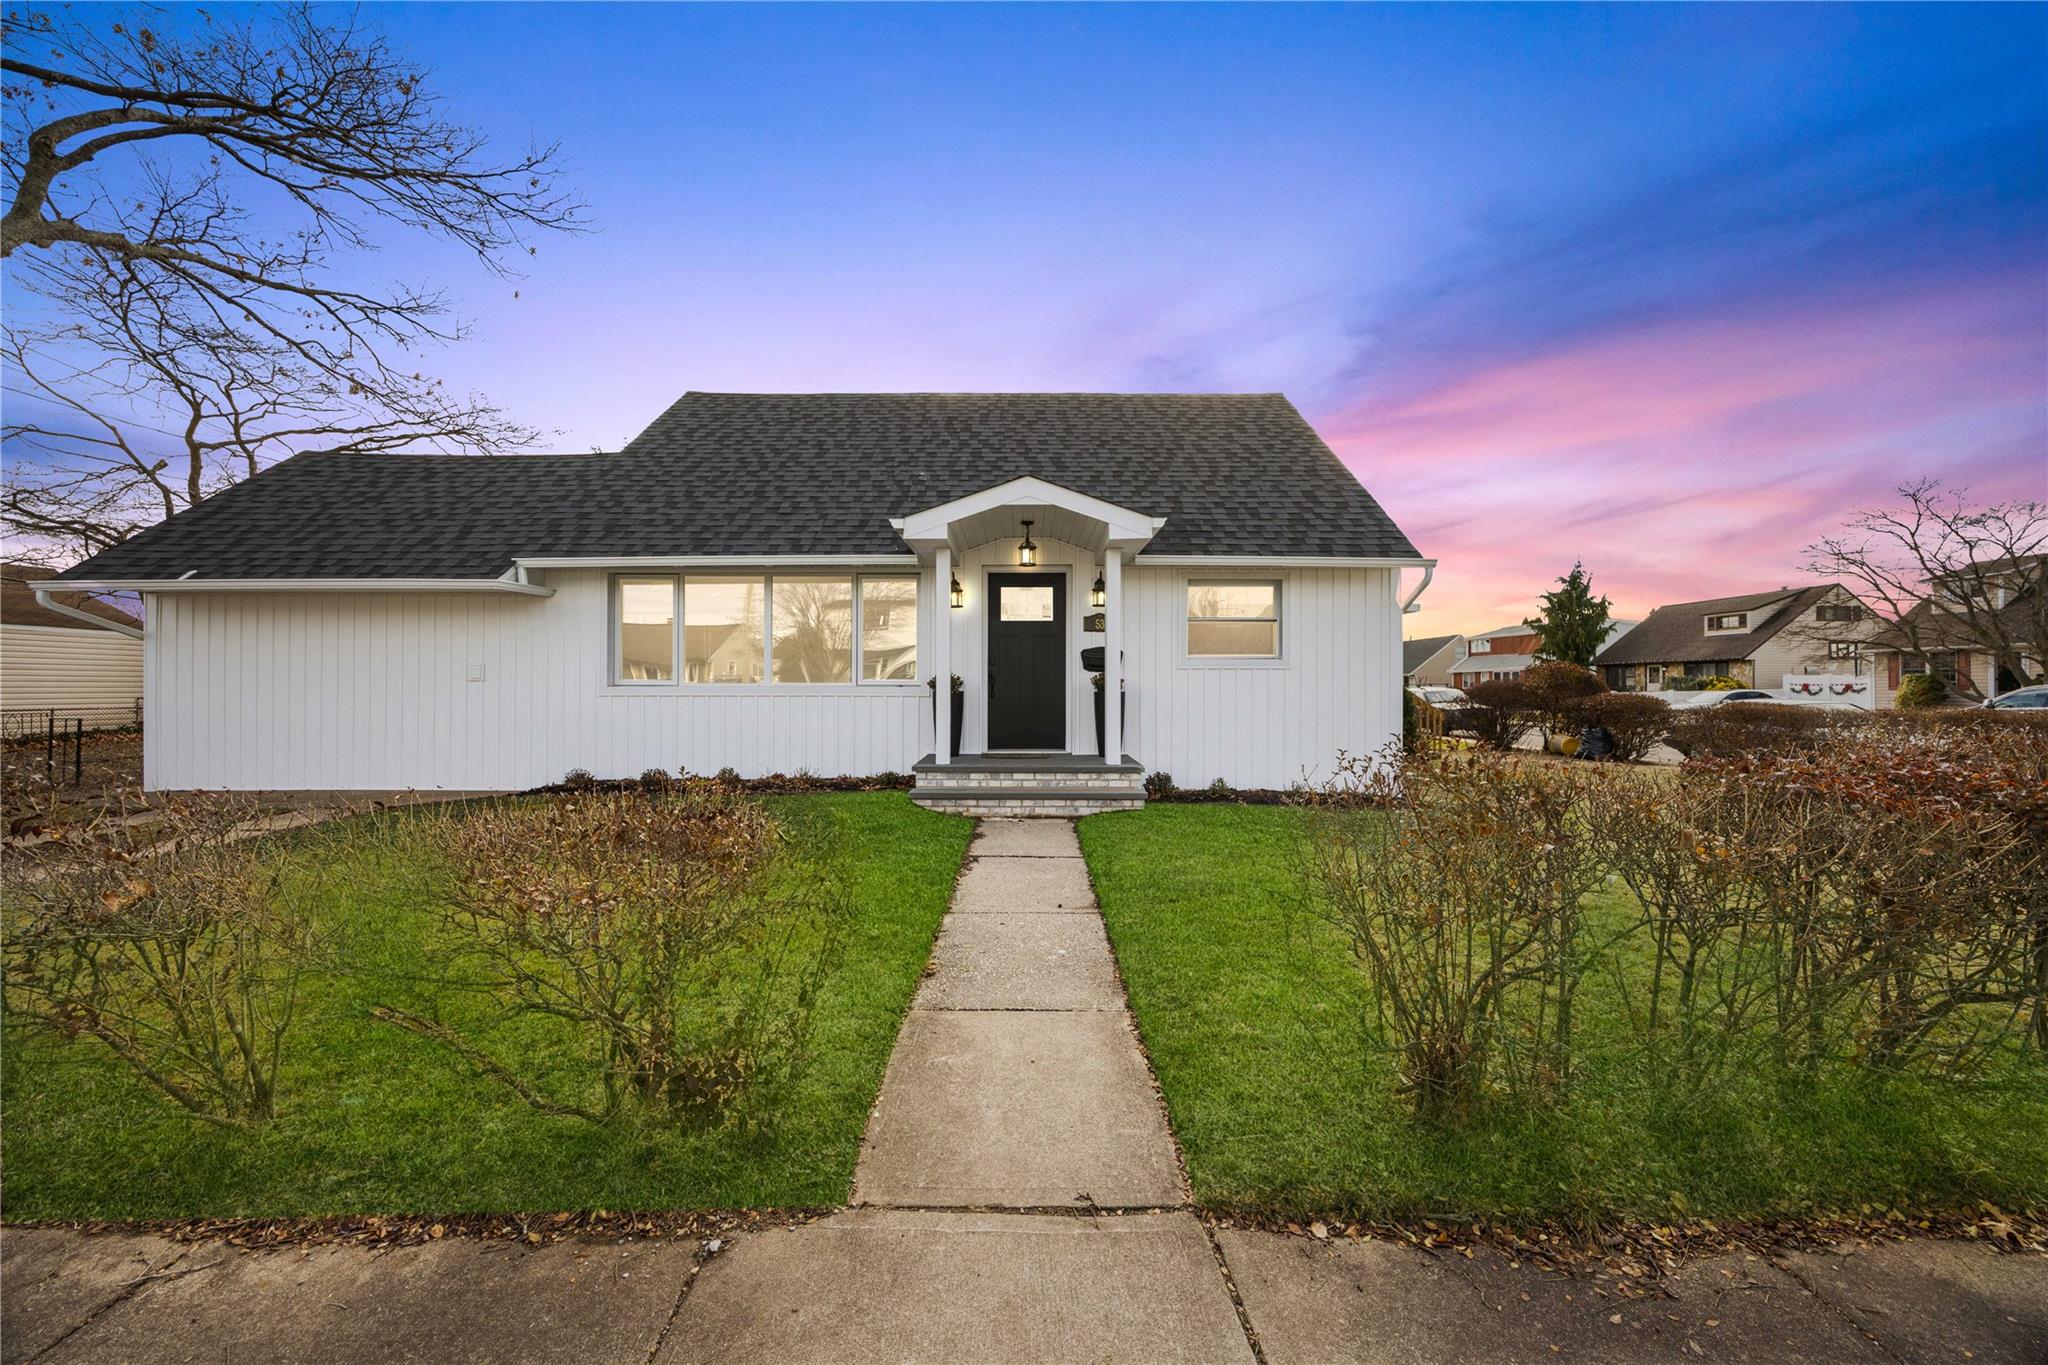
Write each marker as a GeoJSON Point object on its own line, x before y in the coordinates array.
{"type": "Point", "coordinates": [1099, 594]}
{"type": "Point", "coordinates": [1027, 553]}
{"type": "Point", "coordinates": [959, 594]}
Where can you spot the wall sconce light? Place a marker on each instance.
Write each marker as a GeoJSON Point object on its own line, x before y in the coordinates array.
{"type": "Point", "coordinates": [1098, 595]}
{"type": "Point", "coordinates": [959, 595]}
{"type": "Point", "coordinates": [1027, 553]}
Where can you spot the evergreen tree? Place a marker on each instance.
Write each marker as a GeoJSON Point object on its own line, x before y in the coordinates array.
{"type": "Point", "coordinates": [1574, 623]}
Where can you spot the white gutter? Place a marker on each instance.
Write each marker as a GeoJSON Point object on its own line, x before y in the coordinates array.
{"type": "Point", "coordinates": [1428, 572]}
{"type": "Point", "coordinates": [44, 599]}
{"type": "Point", "coordinates": [190, 584]}
{"type": "Point", "coordinates": [901, 561]}
{"type": "Point", "coordinates": [1278, 562]}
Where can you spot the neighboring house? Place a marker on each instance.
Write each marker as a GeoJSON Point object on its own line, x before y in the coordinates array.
{"type": "Point", "coordinates": [1504, 653]}
{"type": "Point", "coordinates": [1756, 639]}
{"type": "Point", "coordinates": [379, 621]}
{"type": "Point", "coordinates": [1937, 637]}
{"type": "Point", "coordinates": [1493, 655]}
{"type": "Point", "coordinates": [53, 662]}
{"type": "Point", "coordinates": [1428, 663]}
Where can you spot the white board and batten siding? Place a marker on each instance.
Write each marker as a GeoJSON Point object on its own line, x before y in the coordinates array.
{"type": "Point", "coordinates": [495, 692]}
{"type": "Point", "coordinates": [51, 667]}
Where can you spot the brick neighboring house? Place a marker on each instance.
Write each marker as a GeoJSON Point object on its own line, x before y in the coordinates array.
{"type": "Point", "coordinates": [1505, 652]}
{"type": "Point", "coordinates": [1428, 662]}
{"type": "Point", "coordinates": [1756, 639]}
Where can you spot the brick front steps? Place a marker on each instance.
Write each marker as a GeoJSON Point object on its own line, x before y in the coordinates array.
{"type": "Point", "coordinates": [1029, 784]}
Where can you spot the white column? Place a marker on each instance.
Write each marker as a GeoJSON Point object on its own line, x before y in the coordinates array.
{"type": "Point", "coordinates": [1113, 656]}
{"type": "Point", "coordinates": [942, 654]}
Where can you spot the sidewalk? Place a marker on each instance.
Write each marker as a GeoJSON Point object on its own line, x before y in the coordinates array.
{"type": "Point", "coordinates": [1018, 1199]}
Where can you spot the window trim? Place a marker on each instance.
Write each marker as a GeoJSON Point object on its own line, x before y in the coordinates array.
{"type": "Point", "coordinates": [1277, 659]}
{"type": "Point", "coordinates": [1740, 618]}
{"type": "Point", "coordinates": [767, 684]}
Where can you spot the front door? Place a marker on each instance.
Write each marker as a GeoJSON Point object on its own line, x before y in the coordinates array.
{"type": "Point", "coordinates": [1027, 664]}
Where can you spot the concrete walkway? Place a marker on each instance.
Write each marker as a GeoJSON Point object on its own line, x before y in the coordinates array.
{"type": "Point", "coordinates": [1018, 1199]}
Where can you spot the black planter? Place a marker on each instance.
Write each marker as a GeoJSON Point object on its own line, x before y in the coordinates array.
{"type": "Point", "coordinates": [959, 715]}
{"type": "Point", "coordinates": [1099, 738]}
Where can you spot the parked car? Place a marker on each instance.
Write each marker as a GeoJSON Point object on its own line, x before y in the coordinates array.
{"type": "Point", "coordinates": [2020, 699]}
{"type": "Point", "coordinates": [1716, 698]}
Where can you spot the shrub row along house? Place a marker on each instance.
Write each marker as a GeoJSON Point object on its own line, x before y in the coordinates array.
{"type": "Point", "coordinates": [768, 582]}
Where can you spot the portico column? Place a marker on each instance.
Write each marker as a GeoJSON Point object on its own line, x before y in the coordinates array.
{"type": "Point", "coordinates": [1113, 656]}
{"type": "Point", "coordinates": [942, 654]}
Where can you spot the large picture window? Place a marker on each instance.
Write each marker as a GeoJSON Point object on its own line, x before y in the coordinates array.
{"type": "Point", "coordinates": [813, 623]}
{"type": "Point", "coordinates": [797, 628]}
{"type": "Point", "coordinates": [1237, 620]}
{"type": "Point", "coordinates": [724, 620]}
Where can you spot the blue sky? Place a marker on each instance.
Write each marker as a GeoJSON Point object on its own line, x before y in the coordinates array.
{"type": "Point", "coordinates": [1663, 287]}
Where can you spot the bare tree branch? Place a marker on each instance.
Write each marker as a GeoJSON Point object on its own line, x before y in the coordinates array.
{"type": "Point", "coordinates": [1939, 573]}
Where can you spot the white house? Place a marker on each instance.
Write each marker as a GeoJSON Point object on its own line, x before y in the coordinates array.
{"type": "Point", "coordinates": [1794, 637]}
{"type": "Point", "coordinates": [767, 582]}
{"type": "Point", "coordinates": [70, 658]}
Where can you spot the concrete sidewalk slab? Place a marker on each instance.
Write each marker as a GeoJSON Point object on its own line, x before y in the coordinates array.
{"type": "Point", "coordinates": [1025, 839]}
{"type": "Point", "coordinates": [458, 1300]}
{"type": "Point", "coordinates": [54, 1281]}
{"type": "Point", "coordinates": [1376, 1301]}
{"type": "Point", "coordinates": [1008, 885]}
{"type": "Point", "coordinates": [877, 1285]}
{"type": "Point", "coordinates": [1021, 962]}
{"type": "Point", "coordinates": [1929, 1300]}
{"type": "Point", "coordinates": [1017, 1110]}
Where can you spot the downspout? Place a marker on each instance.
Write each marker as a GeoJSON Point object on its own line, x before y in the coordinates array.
{"type": "Point", "coordinates": [1428, 572]}
{"type": "Point", "coordinates": [44, 599]}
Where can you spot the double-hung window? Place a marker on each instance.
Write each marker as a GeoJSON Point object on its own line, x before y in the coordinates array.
{"type": "Point", "coordinates": [1239, 619]}
{"type": "Point", "coordinates": [749, 629]}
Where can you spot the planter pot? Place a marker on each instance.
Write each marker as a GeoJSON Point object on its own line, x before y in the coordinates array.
{"type": "Point", "coordinates": [959, 715]}
{"type": "Point", "coordinates": [1099, 729]}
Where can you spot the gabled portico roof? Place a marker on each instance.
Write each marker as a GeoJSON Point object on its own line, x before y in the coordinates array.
{"type": "Point", "coordinates": [997, 513]}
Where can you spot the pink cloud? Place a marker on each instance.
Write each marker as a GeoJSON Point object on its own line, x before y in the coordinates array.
{"type": "Point", "coordinates": [1693, 458]}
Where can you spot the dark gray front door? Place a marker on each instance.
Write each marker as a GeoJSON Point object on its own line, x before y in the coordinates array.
{"type": "Point", "coordinates": [1027, 664]}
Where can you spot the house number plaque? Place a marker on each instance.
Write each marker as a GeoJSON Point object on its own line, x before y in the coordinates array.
{"type": "Point", "coordinates": [1096, 622]}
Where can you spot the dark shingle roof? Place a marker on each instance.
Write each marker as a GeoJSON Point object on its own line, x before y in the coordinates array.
{"type": "Point", "coordinates": [1677, 633]}
{"type": "Point", "coordinates": [18, 605]}
{"type": "Point", "coordinates": [1415, 653]}
{"type": "Point", "coordinates": [729, 473]}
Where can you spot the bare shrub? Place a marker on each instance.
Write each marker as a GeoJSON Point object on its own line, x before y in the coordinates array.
{"type": "Point", "coordinates": [1724, 873]}
{"type": "Point", "coordinates": [1457, 880]}
{"type": "Point", "coordinates": [174, 940]}
{"type": "Point", "coordinates": [1934, 866]}
{"type": "Point", "coordinates": [1499, 713]}
{"type": "Point", "coordinates": [1555, 688]}
{"type": "Point", "coordinates": [1634, 721]}
{"type": "Point", "coordinates": [1741, 727]}
{"type": "Point", "coordinates": [682, 940]}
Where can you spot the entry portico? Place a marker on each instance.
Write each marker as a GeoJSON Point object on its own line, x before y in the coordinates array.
{"type": "Point", "coordinates": [984, 579]}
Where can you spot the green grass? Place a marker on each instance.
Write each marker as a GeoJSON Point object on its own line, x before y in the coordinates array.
{"type": "Point", "coordinates": [1253, 1015]}
{"type": "Point", "coordinates": [378, 1120]}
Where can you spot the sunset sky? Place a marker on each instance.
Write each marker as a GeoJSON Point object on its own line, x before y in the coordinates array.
{"type": "Point", "coordinates": [1666, 289]}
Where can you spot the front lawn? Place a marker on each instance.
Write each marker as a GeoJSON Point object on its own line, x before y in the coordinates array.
{"type": "Point", "coordinates": [1252, 1012]}
{"type": "Point", "coordinates": [378, 1120]}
